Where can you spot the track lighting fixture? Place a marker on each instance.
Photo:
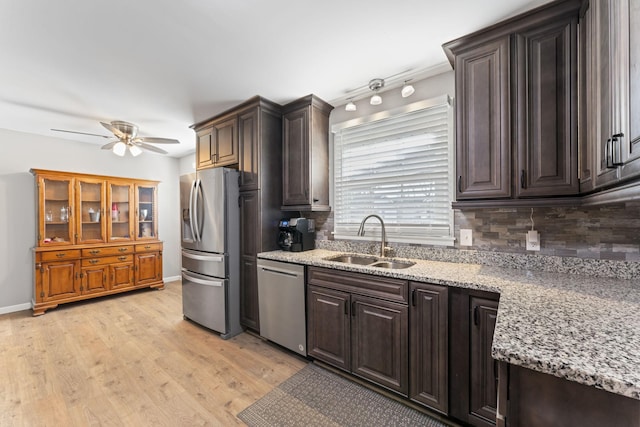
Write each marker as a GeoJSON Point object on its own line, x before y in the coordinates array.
{"type": "Point", "coordinates": [350, 106]}
{"type": "Point", "coordinates": [375, 85]}
{"type": "Point", "coordinates": [407, 89]}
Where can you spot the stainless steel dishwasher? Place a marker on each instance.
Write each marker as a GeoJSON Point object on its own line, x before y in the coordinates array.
{"type": "Point", "coordinates": [281, 302]}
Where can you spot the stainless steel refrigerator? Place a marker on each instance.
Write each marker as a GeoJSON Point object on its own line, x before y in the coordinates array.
{"type": "Point", "coordinates": [211, 249]}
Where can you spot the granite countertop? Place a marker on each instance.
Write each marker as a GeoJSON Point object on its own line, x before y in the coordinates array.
{"type": "Point", "coordinates": [578, 327]}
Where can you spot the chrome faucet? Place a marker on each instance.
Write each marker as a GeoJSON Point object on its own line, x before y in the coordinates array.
{"type": "Point", "coordinates": [384, 233]}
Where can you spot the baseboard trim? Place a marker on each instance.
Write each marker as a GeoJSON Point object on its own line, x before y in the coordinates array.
{"type": "Point", "coordinates": [171, 279]}
{"type": "Point", "coordinates": [14, 308]}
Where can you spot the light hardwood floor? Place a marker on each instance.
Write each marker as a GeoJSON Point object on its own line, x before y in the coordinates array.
{"type": "Point", "coordinates": [130, 360]}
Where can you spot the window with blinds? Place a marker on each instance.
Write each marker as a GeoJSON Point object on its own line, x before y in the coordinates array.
{"type": "Point", "coordinates": [399, 167]}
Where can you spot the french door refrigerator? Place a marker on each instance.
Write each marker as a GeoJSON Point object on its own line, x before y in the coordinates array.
{"type": "Point", "coordinates": [211, 249]}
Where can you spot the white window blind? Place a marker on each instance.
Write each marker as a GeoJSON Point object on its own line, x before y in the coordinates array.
{"type": "Point", "coordinates": [399, 168]}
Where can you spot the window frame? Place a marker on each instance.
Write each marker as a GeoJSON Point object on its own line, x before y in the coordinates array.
{"type": "Point", "coordinates": [373, 230]}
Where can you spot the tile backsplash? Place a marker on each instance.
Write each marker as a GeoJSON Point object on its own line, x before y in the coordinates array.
{"type": "Point", "coordinates": [610, 232]}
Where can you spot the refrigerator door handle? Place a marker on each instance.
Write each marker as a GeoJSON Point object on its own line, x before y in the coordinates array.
{"type": "Point", "coordinates": [199, 221]}
{"type": "Point", "coordinates": [193, 232]}
{"type": "Point", "coordinates": [215, 283]}
{"type": "Point", "coordinates": [191, 255]}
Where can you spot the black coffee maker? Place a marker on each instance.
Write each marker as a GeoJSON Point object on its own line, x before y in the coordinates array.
{"type": "Point", "coordinates": [297, 234]}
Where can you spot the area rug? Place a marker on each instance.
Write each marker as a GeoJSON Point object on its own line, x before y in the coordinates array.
{"type": "Point", "coordinates": [317, 397]}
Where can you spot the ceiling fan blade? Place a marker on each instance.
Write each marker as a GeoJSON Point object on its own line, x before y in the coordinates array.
{"type": "Point", "coordinates": [110, 145]}
{"type": "Point", "coordinates": [81, 133]}
{"type": "Point", "coordinates": [153, 140]}
{"type": "Point", "coordinates": [151, 148]}
{"type": "Point", "coordinates": [114, 130]}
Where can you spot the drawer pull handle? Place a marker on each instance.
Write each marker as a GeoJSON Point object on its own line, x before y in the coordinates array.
{"type": "Point", "coordinates": [122, 258]}
{"type": "Point", "coordinates": [147, 247]}
{"type": "Point", "coordinates": [93, 261]}
{"type": "Point", "coordinates": [61, 255]}
{"type": "Point", "coordinates": [94, 252]}
{"type": "Point", "coordinates": [122, 249]}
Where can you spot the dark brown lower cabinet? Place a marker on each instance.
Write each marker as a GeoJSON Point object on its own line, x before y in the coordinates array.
{"type": "Point", "coordinates": [350, 325]}
{"type": "Point", "coordinates": [473, 372]}
{"type": "Point", "coordinates": [328, 326]}
{"type": "Point", "coordinates": [540, 400]}
{"type": "Point", "coordinates": [249, 242]}
{"type": "Point", "coordinates": [429, 326]}
{"type": "Point", "coordinates": [379, 342]}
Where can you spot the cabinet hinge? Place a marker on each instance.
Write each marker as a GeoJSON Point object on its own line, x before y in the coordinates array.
{"type": "Point", "coordinates": [41, 294]}
{"type": "Point", "coordinates": [81, 288]}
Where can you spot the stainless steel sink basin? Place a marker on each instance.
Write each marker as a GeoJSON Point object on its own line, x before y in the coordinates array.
{"type": "Point", "coordinates": [370, 261]}
{"type": "Point", "coordinates": [392, 264]}
{"type": "Point", "coordinates": [353, 259]}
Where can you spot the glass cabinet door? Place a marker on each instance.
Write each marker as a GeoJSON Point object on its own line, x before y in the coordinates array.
{"type": "Point", "coordinates": [120, 213]}
{"type": "Point", "coordinates": [146, 212]}
{"type": "Point", "coordinates": [90, 215]}
{"type": "Point", "coordinates": [56, 207]}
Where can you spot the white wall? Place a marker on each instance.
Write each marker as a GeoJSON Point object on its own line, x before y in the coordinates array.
{"type": "Point", "coordinates": [23, 151]}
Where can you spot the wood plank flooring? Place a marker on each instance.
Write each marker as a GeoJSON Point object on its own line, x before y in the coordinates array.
{"type": "Point", "coordinates": [130, 360]}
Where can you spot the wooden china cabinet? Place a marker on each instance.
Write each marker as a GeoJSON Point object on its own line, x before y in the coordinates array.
{"type": "Point", "coordinates": [96, 235]}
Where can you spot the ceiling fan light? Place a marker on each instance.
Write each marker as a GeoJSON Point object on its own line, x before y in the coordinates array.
{"type": "Point", "coordinates": [134, 150]}
{"type": "Point", "coordinates": [407, 90]}
{"type": "Point", "coordinates": [120, 148]}
{"type": "Point", "coordinates": [350, 106]}
{"type": "Point", "coordinates": [376, 100]}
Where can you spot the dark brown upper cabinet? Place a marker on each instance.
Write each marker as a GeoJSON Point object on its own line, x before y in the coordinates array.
{"type": "Point", "coordinates": [217, 143]}
{"type": "Point", "coordinates": [516, 108]}
{"type": "Point", "coordinates": [610, 117]}
{"type": "Point", "coordinates": [305, 155]}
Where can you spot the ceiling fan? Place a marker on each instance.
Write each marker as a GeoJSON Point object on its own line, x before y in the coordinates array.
{"type": "Point", "coordinates": [127, 134]}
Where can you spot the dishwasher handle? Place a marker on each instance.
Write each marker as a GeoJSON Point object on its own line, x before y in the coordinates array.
{"type": "Point", "coordinates": [214, 283]}
{"type": "Point", "coordinates": [277, 271]}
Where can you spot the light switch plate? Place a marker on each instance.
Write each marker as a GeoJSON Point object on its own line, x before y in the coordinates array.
{"type": "Point", "coordinates": [466, 237]}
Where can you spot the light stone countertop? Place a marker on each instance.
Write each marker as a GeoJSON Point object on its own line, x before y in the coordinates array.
{"type": "Point", "coordinates": [578, 327]}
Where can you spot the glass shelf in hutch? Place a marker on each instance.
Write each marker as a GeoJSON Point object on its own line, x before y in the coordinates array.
{"type": "Point", "coordinates": [120, 223]}
{"type": "Point", "coordinates": [56, 202]}
{"type": "Point", "coordinates": [91, 197]}
{"type": "Point", "coordinates": [146, 212]}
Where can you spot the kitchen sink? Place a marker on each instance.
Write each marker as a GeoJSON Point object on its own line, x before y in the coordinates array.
{"type": "Point", "coordinates": [353, 259]}
{"type": "Point", "coordinates": [370, 261]}
{"type": "Point", "coordinates": [392, 264]}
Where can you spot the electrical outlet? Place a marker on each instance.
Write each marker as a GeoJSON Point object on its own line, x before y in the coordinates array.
{"type": "Point", "coordinates": [533, 240]}
{"type": "Point", "coordinates": [466, 237]}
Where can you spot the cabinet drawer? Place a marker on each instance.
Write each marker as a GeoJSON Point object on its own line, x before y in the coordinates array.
{"type": "Point", "coordinates": [107, 260]}
{"type": "Point", "coordinates": [105, 251]}
{"type": "Point", "coordinates": [60, 255]}
{"type": "Point", "coordinates": [149, 247]}
{"type": "Point", "coordinates": [359, 283]}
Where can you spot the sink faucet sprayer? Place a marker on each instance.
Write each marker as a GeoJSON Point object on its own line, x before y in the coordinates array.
{"type": "Point", "coordinates": [384, 233]}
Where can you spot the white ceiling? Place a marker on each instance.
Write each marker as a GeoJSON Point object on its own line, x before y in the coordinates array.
{"type": "Point", "coordinates": [166, 64]}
